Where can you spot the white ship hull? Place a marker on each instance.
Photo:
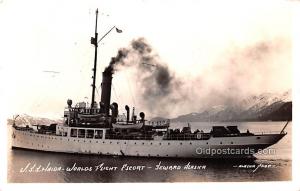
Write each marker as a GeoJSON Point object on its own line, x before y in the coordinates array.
{"type": "Point", "coordinates": [146, 148]}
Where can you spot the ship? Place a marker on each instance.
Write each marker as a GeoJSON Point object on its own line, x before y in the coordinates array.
{"type": "Point", "coordinates": [99, 129]}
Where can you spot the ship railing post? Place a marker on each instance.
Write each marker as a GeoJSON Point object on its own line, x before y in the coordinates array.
{"type": "Point", "coordinates": [103, 134]}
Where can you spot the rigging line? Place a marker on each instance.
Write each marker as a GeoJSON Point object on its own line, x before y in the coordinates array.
{"type": "Point", "coordinates": [129, 87]}
{"type": "Point", "coordinates": [97, 92]}
{"type": "Point", "coordinates": [116, 95]}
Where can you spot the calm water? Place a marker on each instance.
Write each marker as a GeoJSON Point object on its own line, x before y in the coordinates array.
{"type": "Point", "coordinates": [82, 168]}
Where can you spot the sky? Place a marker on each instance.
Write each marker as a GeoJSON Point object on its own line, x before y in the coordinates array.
{"type": "Point", "coordinates": [215, 52]}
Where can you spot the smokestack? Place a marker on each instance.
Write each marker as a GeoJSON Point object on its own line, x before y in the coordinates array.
{"type": "Point", "coordinates": [128, 111]}
{"type": "Point", "coordinates": [114, 112]}
{"type": "Point", "coordinates": [142, 115]}
{"type": "Point", "coordinates": [106, 89]}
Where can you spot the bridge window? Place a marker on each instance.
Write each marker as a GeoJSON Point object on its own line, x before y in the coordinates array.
{"type": "Point", "coordinates": [90, 134]}
{"type": "Point", "coordinates": [81, 133]}
{"type": "Point", "coordinates": [98, 134]}
{"type": "Point", "coordinates": [73, 132]}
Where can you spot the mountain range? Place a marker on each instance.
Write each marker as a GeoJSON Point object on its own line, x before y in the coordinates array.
{"type": "Point", "coordinates": [264, 107]}
{"type": "Point", "coordinates": [25, 119]}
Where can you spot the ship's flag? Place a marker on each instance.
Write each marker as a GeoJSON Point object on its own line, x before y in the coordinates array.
{"type": "Point", "coordinates": [118, 30]}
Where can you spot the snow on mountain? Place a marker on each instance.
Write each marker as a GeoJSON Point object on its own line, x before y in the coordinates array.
{"type": "Point", "coordinates": [25, 119]}
{"type": "Point", "coordinates": [216, 109]}
{"type": "Point", "coordinates": [264, 100]}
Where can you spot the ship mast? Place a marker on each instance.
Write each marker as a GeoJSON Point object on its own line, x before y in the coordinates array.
{"type": "Point", "coordinates": [94, 41]}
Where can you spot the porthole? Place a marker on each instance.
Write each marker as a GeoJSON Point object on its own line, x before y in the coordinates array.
{"type": "Point", "coordinates": [110, 142]}
{"type": "Point", "coordinates": [135, 143]}
{"type": "Point", "coordinates": [143, 143]}
{"type": "Point", "coordinates": [180, 143]}
{"type": "Point", "coordinates": [190, 143]}
{"type": "Point", "coordinates": [167, 155]}
{"type": "Point", "coordinates": [151, 143]}
{"type": "Point", "coordinates": [168, 143]}
{"type": "Point", "coordinates": [231, 142]}
{"type": "Point", "coordinates": [117, 143]}
{"type": "Point", "coordinates": [159, 143]}
{"type": "Point", "coordinates": [125, 143]}
{"type": "Point", "coordinates": [257, 137]}
{"type": "Point", "coordinates": [207, 143]}
{"type": "Point", "coordinates": [221, 143]}
{"type": "Point", "coordinates": [103, 141]}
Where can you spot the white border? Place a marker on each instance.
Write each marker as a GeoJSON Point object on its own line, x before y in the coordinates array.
{"type": "Point", "coordinates": [274, 186]}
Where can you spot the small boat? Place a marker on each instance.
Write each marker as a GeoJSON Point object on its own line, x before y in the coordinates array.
{"type": "Point", "coordinates": [127, 126]}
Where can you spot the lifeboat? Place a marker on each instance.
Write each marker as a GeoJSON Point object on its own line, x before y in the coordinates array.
{"type": "Point", "coordinates": [127, 126]}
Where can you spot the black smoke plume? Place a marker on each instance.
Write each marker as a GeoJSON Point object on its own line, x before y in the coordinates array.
{"type": "Point", "coordinates": [155, 80]}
